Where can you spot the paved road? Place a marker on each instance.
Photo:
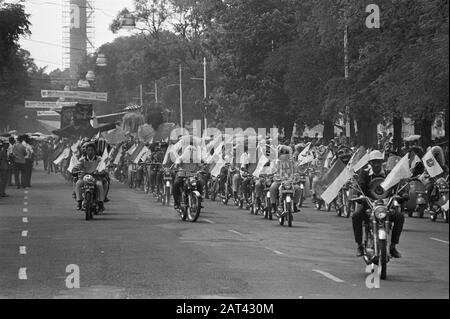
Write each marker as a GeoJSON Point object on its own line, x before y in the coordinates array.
{"type": "Point", "coordinates": [140, 249]}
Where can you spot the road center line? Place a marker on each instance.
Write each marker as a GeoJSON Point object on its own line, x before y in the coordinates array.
{"type": "Point", "coordinates": [25, 219]}
{"type": "Point", "coordinates": [23, 250]}
{"type": "Point", "coordinates": [25, 203]}
{"type": "Point", "coordinates": [25, 192]}
{"type": "Point", "coordinates": [25, 197]}
{"type": "Point", "coordinates": [208, 221]}
{"type": "Point", "coordinates": [25, 210]}
{"type": "Point", "coordinates": [24, 233]}
{"type": "Point", "coordinates": [278, 252]}
{"type": "Point", "coordinates": [440, 240]}
{"type": "Point", "coordinates": [23, 274]}
{"type": "Point", "coordinates": [328, 275]}
{"type": "Point", "coordinates": [236, 232]}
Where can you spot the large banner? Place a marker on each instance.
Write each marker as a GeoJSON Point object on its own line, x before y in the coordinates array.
{"type": "Point", "coordinates": [79, 115]}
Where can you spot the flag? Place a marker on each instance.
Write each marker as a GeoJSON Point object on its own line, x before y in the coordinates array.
{"type": "Point", "coordinates": [329, 177]}
{"type": "Point", "coordinates": [357, 156]}
{"type": "Point", "coordinates": [73, 163]}
{"type": "Point", "coordinates": [216, 170]}
{"type": "Point", "coordinates": [361, 163]}
{"type": "Point", "coordinates": [102, 164]}
{"type": "Point", "coordinates": [333, 190]}
{"type": "Point", "coordinates": [399, 172]}
{"type": "Point", "coordinates": [141, 153]}
{"type": "Point", "coordinates": [261, 163]}
{"type": "Point", "coordinates": [306, 160]}
{"type": "Point", "coordinates": [414, 161]}
{"type": "Point", "coordinates": [432, 166]}
{"type": "Point", "coordinates": [328, 159]}
{"type": "Point", "coordinates": [445, 206]}
{"type": "Point", "coordinates": [119, 154]}
{"type": "Point", "coordinates": [168, 156]}
{"type": "Point", "coordinates": [65, 154]}
{"type": "Point", "coordinates": [305, 152]}
{"type": "Point", "coordinates": [132, 149]}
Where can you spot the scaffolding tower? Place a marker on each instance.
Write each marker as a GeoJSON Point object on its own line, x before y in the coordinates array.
{"type": "Point", "coordinates": [90, 30]}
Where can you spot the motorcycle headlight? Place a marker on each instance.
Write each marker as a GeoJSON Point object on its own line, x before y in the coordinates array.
{"type": "Point", "coordinates": [380, 212]}
{"type": "Point", "coordinates": [193, 181]}
{"type": "Point", "coordinates": [89, 179]}
{"type": "Point", "coordinates": [288, 185]}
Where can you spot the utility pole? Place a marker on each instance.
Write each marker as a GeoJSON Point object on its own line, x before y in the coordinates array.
{"type": "Point", "coordinates": [156, 93]}
{"type": "Point", "coordinates": [141, 95]}
{"type": "Point", "coordinates": [204, 93]}
{"type": "Point", "coordinates": [181, 100]}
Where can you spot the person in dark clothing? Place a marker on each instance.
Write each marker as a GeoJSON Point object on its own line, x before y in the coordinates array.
{"type": "Point", "coordinates": [19, 152]}
{"type": "Point", "coordinates": [3, 168]}
{"type": "Point", "coordinates": [364, 180]}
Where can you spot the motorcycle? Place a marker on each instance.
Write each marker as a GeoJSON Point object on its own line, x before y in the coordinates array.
{"type": "Point", "coordinates": [377, 230]}
{"type": "Point", "coordinates": [245, 195]}
{"type": "Point", "coordinates": [417, 198]}
{"type": "Point", "coordinates": [343, 203]}
{"type": "Point", "coordinates": [190, 204]}
{"type": "Point", "coordinates": [90, 196]}
{"type": "Point", "coordinates": [168, 184]}
{"type": "Point", "coordinates": [287, 198]}
{"type": "Point", "coordinates": [228, 188]}
{"type": "Point", "coordinates": [440, 206]}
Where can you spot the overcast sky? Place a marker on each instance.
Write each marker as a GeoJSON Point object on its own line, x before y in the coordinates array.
{"type": "Point", "coordinates": [46, 19]}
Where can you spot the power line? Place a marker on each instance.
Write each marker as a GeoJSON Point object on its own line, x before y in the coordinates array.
{"type": "Point", "coordinates": [53, 44]}
{"type": "Point", "coordinates": [62, 5]}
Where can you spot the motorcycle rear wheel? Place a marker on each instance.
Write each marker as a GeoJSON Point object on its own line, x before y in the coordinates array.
{"type": "Point", "coordinates": [420, 210]}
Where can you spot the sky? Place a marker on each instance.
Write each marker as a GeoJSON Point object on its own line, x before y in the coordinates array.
{"type": "Point", "coordinates": [45, 43]}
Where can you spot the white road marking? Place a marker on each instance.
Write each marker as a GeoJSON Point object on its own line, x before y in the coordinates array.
{"type": "Point", "coordinates": [208, 221]}
{"type": "Point", "coordinates": [25, 197]}
{"type": "Point", "coordinates": [24, 233]}
{"type": "Point", "coordinates": [25, 219]}
{"type": "Point", "coordinates": [440, 240]}
{"type": "Point", "coordinates": [23, 274]}
{"type": "Point", "coordinates": [23, 250]}
{"type": "Point", "coordinates": [328, 275]}
{"type": "Point", "coordinates": [25, 203]}
{"type": "Point", "coordinates": [25, 210]}
{"type": "Point", "coordinates": [236, 232]}
{"type": "Point", "coordinates": [25, 192]}
{"type": "Point", "coordinates": [278, 252]}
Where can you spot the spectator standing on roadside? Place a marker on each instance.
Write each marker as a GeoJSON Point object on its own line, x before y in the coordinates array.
{"type": "Point", "coordinates": [29, 160]}
{"type": "Point", "coordinates": [19, 152]}
{"type": "Point", "coordinates": [12, 169]}
{"type": "Point", "coordinates": [3, 168]}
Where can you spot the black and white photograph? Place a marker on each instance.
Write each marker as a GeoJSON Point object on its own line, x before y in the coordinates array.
{"type": "Point", "coordinates": [224, 155]}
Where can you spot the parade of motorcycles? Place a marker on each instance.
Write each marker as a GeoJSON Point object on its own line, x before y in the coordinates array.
{"type": "Point", "coordinates": [224, 149]}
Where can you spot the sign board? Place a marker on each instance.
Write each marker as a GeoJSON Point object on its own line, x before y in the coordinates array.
{"type": "Point", "coordinates": [47, 105]}
{"type": "Point", "coordinates": [47, 113]}
{"type": "Point", "coordinates": [81, 95]}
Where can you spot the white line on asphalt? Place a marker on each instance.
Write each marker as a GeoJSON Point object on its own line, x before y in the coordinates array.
{"type": "Point", "coordinates": [208, 221]}
{"type": "Point", "coordinates": [25, 210]}
{"type": "Point", "coordinates": [25, 203]}
{"type": "Point", "coordinates": [328, 275]}
{"type": "Point", "coordinates": [23, 250]}
{"type": "Point", "coordinates": [278, 252]}
{"type": "Point", "coordinates": [23, 274]}
{"type": "Point", "coordinates": [236, 232]}
{"type": "Point", "coordinates": [24, 233]}
{"type": "Point", "coordinates": [440, 240]}
{"type": "Point", "coordinates": [25, 197]}
{"type": "Point", "coordinates": [25, 219]}
{"type": "Point", "coordinates": [25, 192]}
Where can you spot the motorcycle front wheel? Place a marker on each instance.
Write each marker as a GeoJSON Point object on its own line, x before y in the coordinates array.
{"type": "Point", "coordinates": [383, 258]}
{"type": "Point", "coordinates": [420, 210]}
{"type": "Point", "coordinates": [193, 211]}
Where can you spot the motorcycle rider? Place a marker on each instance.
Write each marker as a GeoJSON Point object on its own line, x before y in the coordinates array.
{"type": "Point", "coordinates": [187, 162]}
{"type": "Point", "coordinates": [375, 170]}
{"type": "Point", "coordinates": [88, 165]}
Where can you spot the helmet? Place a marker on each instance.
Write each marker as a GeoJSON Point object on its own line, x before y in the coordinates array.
{"type": "Point", "coordinates": [376, 155]}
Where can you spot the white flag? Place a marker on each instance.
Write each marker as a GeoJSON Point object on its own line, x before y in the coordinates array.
{"type": "Point", "coordinates": [132, 149]}
{"type": "Point", "coordinates": [432, 166]}
{"type": "Point", "coordinates": [102, 165]}
{"type": "Point", "coordinates": [399, 172]}
{"type": "Point", "coordinates": [65, 154]}
{"type": "Point", "coordinates": [73, 163]}
{"type": "Point", "coordinates": [327, 162]}
{"type": "Point", "coordinates": [216, 170]}
{"type": "Point", "coordinates": [305, 152]}
{"type": "Point", "coordinates": [141, 153]}
{"type": "Point", "coordinates": [361, 163]}
{"type": "Point", "coordinates": [261, 163]}
{"type": "Point", "coordinates": [333, 190]}
{"type": "Point", "coordinates": [119, 154]}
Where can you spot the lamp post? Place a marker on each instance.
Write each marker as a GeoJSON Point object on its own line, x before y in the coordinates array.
{"type": "Point", "coordinates": [180, 84]}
